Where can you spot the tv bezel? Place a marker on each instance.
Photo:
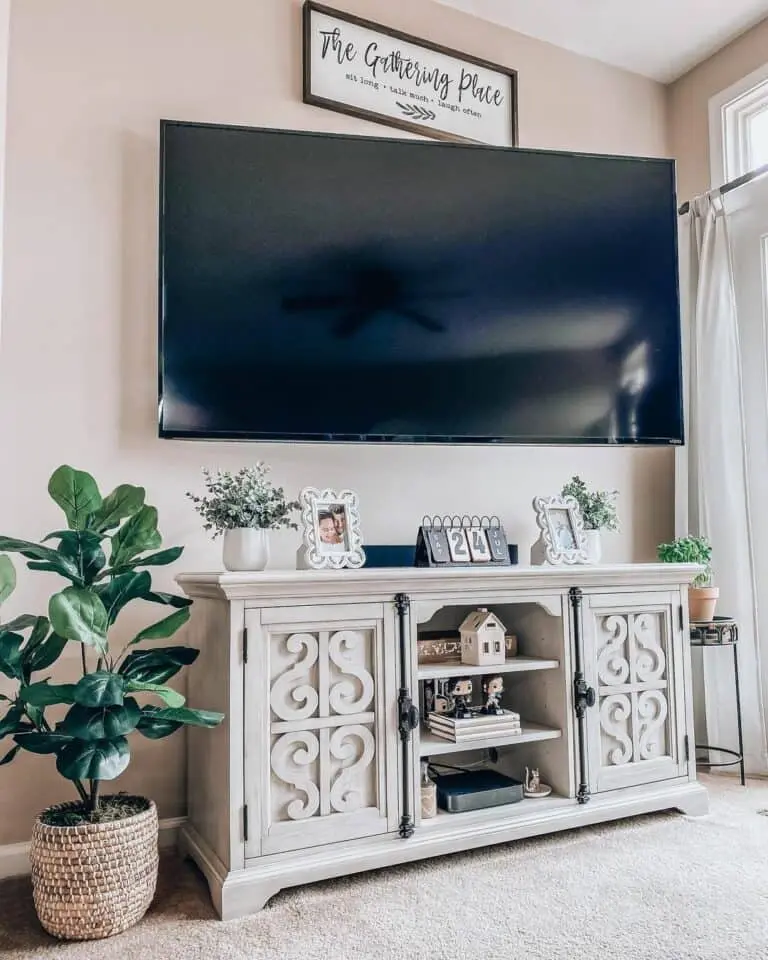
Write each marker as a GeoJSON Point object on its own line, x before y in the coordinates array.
{"type": "Point", "coordinates": [427, 440]}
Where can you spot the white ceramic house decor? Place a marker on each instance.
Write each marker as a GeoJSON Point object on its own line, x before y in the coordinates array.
{"type": "Point", "coordinates": [482, 639]}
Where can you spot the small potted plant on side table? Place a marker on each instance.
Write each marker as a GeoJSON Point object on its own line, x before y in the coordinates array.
{"type": "Point", "coordinates": [94, 860]}
{"type": "Point", "coordinates": [598, 512]}
{"type": "Point", "coordinates": [702, 596]}
{"type": "Point", "coordinates": [244, 506]}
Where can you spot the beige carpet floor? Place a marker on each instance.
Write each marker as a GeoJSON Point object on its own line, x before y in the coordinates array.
{"type": "Point", "coordinates": [661, 887]}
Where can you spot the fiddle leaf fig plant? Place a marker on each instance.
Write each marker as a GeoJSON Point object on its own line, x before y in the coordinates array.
{"type": "Point", "coordinates": [100, 554]}
{"type": "Point", "coordinates": [7, 577]}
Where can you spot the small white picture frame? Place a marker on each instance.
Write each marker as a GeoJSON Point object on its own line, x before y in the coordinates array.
{"type": "Point", "coordinates": [331, 529]}
{"type": "Point", "coordinates": [561, 538]}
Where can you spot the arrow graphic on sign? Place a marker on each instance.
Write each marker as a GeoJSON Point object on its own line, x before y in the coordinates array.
{"type": "Point", "coordinates": [415, 112]}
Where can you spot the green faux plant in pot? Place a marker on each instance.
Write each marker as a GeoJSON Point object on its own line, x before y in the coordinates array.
{"type": "Point", "coordinates": [702, 596]}
{"type": "Point", "coordinates": [244, 506]}
{"type": "Point", "coordinates": [598, 513]}
{"type": "Point", "coordinates": [88, 735]}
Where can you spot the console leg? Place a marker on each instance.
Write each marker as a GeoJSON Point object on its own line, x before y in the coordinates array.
{"type": "Point", "coordinates": [696, 802]}
{"type": "Point", "coordinates": [237, 899]}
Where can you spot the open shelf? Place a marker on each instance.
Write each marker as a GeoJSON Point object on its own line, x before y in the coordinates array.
{"type": "Point", "coordinates": [508, 811]}
{"type": "Point", "coordinates": [434, 671]}
{"type": "Point", "coordinates": [431, 746]}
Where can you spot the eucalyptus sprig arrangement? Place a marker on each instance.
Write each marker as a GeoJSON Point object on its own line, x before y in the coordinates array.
{"type": "Point", "coordinates": [247, 498]}
{"type": "Point", "coordinates": [598, 507]}
{"type": "Point", "coordinates": [90, 743]}
{"type": "Point", "coordinates": [689, 550]}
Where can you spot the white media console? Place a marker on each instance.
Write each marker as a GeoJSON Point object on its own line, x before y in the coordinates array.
{"type": "Point", "coordinates": [315, 771]}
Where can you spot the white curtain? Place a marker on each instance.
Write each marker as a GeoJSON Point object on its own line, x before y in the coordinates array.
{"type": "Point", "coordinates": [721, 504]}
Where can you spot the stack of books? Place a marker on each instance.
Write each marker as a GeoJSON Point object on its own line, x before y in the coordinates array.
{"type": "Point", "coordinates": [476, 727]}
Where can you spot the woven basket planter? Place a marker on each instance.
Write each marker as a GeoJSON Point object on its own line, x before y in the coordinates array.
{"type": "Point", "coordinates": [95, 880]}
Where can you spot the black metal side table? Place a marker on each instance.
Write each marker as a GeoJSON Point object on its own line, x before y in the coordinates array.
{"type": "Point", "coordinates": [721, 632]}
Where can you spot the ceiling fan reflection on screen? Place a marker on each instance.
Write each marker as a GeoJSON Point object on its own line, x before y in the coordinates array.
{"type": "Point", "coordinates": [370, 290]}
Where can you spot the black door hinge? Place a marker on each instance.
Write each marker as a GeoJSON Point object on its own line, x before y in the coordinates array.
{"type": "Point", "coordinates": [576, 594]}
{"type": "Point", "coordinates": [681, 617]}
{"type": "Point", "coordinates": [584, 696]}
{"type": "Point", "coordinates": [408, 715]}
{"type": "Point", "coordinates": [245, 644]}
{"type": "Point", "coordinates": [687, 748]}
{"type": "Point", "coordinates": [245, 823]}
{"type": "Point", "coordinates": [406, 828]}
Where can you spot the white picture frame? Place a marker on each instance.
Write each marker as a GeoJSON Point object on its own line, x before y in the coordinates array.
{"type": "Point", "coordinates": [331, 530]}
{"type": "Point", "coordinates": [561, 539]}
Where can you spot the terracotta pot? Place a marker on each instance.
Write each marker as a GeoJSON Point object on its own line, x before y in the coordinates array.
{"type": "Point", "coordinates": [95, 880]}
{"type": "Point", "coordinates": [702, 602]}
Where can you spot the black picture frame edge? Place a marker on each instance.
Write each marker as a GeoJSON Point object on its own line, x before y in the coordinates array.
{"type": "Point", "coordinates": [311, 6]}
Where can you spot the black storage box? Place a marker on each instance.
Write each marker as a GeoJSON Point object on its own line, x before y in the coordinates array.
{"type": "Point", "coordinates": [389, 555]}
{"type": "Point", "coordinates": [476, 789]}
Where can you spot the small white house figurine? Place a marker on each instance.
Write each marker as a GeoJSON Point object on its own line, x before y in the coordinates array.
{"type": "Point", "coordinates": [482, 639]}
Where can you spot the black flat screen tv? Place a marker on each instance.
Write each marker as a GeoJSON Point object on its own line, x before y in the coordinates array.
{"type": "Point", "coordinates": [336, 288]}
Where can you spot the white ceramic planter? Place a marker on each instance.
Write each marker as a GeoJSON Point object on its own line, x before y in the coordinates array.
{"type": "Point", "coordinates": [593, 545]}
{"type": "Point", "coordinates": [246, 548]}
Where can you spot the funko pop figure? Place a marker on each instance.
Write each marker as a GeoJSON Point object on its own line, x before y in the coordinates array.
{"type": "Point", "coordinates": [493, 687]}
{"type": "Point", "coordinates": [461, 693]}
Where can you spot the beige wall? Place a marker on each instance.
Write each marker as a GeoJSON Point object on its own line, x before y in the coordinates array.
{"type": "Point", "coordinates": [688, 113]}
{"type": "Point", "coordinates": [5, 23]}
{"type": "Point", "coordinates": [89, 81]}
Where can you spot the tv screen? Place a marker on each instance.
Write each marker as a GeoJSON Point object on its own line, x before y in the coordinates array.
{"type": "Point", "coordinates": [337, 288]}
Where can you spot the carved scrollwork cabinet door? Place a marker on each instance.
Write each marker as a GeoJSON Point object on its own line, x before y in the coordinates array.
{"type": "Point", "coordinates": [318, 698]}
{"type": "Point", "coordinates": [634, 661]}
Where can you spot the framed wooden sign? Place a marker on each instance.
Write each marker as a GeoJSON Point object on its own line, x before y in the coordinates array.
{"type": "Point", "coordinates": [360, 68]}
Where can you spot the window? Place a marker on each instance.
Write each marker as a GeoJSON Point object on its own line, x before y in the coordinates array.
{"type": "Point", "coordinates": [758, 139]}
{"type": "Point", "coordinates": [764, 266]}
{"type": "Point", "coordinates": [739, 128]}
